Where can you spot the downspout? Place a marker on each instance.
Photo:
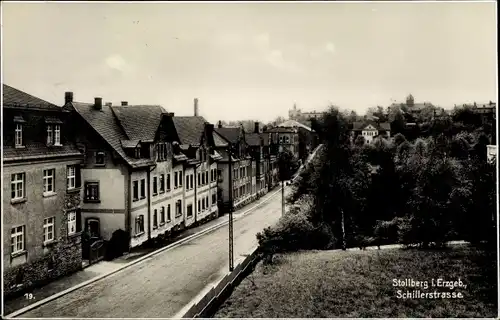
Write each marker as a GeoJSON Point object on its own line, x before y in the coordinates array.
{"type": "Point", "coordinates": [148, 179]}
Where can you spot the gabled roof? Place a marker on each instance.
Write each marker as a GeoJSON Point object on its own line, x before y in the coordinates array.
{"type": "Point", "coordinates": [293, 123]}
{"type": "Point", "coordinates": [190, 129]}
{"type": "Point", "coordinates": [231, 134]}
{"type": "Point", "coordinates": [139, 122]}
{"type": "Point", "coordinates": [361, 125]}
{"type": "Point", "coordinates": [253, 139]}
{"type": "Point", "coordinates": [107, 125]}
{"type": "Point", "coordinates": [219, 140]}
{"type": "Point", "coordinates": [15, 98]}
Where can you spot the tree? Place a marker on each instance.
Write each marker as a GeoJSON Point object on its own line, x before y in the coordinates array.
{"type": "Point", "coordinates": [287, 166]}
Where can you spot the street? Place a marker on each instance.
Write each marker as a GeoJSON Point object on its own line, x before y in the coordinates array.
{"type": "Point", "coordinates": [162, 285]}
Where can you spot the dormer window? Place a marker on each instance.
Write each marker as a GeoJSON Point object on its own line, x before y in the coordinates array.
{"type": "Point", "coordinates": [137, 152]}
{"type": "Point", "coordinates": [53, 134]}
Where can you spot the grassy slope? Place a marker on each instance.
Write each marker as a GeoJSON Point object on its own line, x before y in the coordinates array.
{"type": "Point", "coordinates": [359, 284]}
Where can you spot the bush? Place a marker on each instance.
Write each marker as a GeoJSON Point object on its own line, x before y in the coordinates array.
{"type": "Point", "coordinates": [294, 232]}
{"type": "Point", "coordinates": [387, 232]}
{"type": "Point", "coordinates": [117, 245]}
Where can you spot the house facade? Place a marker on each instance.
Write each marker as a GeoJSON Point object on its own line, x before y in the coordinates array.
{"type": "Point", "coordinates": [308, 138]}
{"type": "Point", "coordinates": [369, 130]}
{"type": "Point", "coordinates": [133, 171]}
{"type": "Point", "coordinates": [41, 196]}
{"type": "Point", "coordinates": [286, 138]}
{"type": "Point", "coordinates": [197, 143]}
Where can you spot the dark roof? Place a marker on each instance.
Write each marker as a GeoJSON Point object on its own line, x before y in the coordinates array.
{"type": "Point", "coordinates": [38, 150]}
{"type": "Point", "coordinates": [107, 126]}
{"type": "Point", "coordinates": [14, 98]}
{"type": "Point", "coordinates": [230, 134]}
{"type": "Point", "coordinates": [281, 130]}
{"type": "Point", "coordinates": [253, 139]}
{"type": "Point", "coordinates": [139, 122]}
{"type": "Point", "coordinates": [360, 125]}
{"type": "Point", "coordinates": [189, 129]}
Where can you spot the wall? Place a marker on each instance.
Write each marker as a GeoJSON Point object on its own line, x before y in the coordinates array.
{"type": "Point", "coordinates": [178, 194]}
{"type": "Point", "coordinates": [139, 208]}
{"type": "Point", "coordinates": [162, 199]}
{"type": "Point", "coordinates": [65, 251]}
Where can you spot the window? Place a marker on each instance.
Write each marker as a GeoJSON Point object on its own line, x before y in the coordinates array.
{"type": "Point", "coordinates": [72, 222]}
{"type": "Point", "coordinates": [211, 175]}
{"type": "Point", "coordinates": [57, 135]}
{"type": "Point", "coordinates": [48, 229]}
{"type": "Point", "coordinates": [135, 190]}
{"type": "Point", "coordinates": [180, 178]}
{"type": "Point", "coordinates": [206, 202]}
{"type": "Point", "coordinates": [206, 177]}
{"type": "Point", "coordinates": [189, 212]}
{"type": "Point", "coordinates": [187, 182]}
{"type": "Point", "coordinates": [168, 181]}
{"type": "Point", "coordinates": [178, 210]}
{"type": "Point", "coordinates": [162, 215]}
{"type": "Point", "coordinates": [155, 186]}
{"type": "Point", "coordinates": [143, 188]}
{"type": "Point", "coordinates": [199, 179]}
{"type": "Point", "coordinates": [162, 152]}
{"type": "Point", "coordinates": [169, 217]}
{"type": "Point", "coordinates": [202, 178]}
{"type": "Point", "coordinates": [92, 191]}
{"type": "Point", "coordinates": [219, 175]}
{"type": "Point", "coordinates": [199, 205]}
{"type": "Point", "coordinates": [99, 158]}
{"type": "Point", "coordinates": [17, 239]}
{"type": "Point", "coordinates": [17, 185]}
{"type": "Point", "coordinates": [155, 218]}
{"type": "Point", "coordinates": [73, 177]}
{"type": "Point", "coordinates": [214, 199]}
{"type": "Point", "coordinates": [176, 184]}
{"type": "Point", "coordinates": [192, 178]}
{"type": "Point", "coordinates": [162, 183]}
{"type": "Point", "coordinates": [48, 181]}
{"type": "Point", "coordinates": [139, 225]}
{"type": "Point", "coordinates": [19, 135]}
{"type": "Point", "coordinates": [50, 135]}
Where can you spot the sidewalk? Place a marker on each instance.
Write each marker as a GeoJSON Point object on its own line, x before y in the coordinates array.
{"type": "Point", "coordinates": [104, 267]}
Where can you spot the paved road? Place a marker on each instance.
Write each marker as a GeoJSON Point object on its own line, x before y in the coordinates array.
{"type": "Point", "coordinates": [162, 285]}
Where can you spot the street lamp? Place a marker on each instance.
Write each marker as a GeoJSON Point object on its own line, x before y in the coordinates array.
{"type": "Point", "coordinates": [231, 208]}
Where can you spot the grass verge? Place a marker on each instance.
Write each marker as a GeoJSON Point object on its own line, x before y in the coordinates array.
{"type": "Point", "coordinates": [359, 284]}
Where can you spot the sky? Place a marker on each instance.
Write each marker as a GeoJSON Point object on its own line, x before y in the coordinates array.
{"type": "Point", "coordinates": [252, 60]}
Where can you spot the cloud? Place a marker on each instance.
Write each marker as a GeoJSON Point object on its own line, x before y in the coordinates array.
{"type": "Point", "coordinates": [273, 56]}
{"type": "Point", "coordinates": [330, 47]}
{"type": "Point", "coordinates": [116, 62]}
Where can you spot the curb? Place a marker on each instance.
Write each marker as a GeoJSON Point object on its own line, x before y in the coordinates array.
{"type": "Point", "coordinates": [141, 259]}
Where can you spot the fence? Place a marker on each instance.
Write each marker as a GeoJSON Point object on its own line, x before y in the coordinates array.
{"type": "Point", "coordinates": [213, 299]}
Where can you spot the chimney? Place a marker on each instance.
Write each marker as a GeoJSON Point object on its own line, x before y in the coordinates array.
{"type": "Point", "coordinates": [209, 130]}
{"type": "Point", "coordinates": [171, 114]}
{"type": "Point", "coordinates": [220, 124]}
{"type": "Point", "coordinates": [68, 97]}
{"type": "Point", "coordinates": [256, 127]}
{"type": "Point", "coordinates": [109, 104]}
{"type": "Point", "coordinates": [97, 103]}
{"type": "Point", "coordinates": [195, 107]}
{"type": "Point", "coordinates": [124, 103]}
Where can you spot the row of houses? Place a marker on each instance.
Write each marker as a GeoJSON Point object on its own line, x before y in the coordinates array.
{"type": "Point", "coordinates": [75, 174]}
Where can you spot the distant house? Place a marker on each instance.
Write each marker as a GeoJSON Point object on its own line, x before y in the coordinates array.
{"type": "Point", "coordinates": [412, 107]}
{"type": "Point", "coordinates": [308, 138]}
{"type": "Point", "coordinates": [287, 138]}
{"type": "Point", "coordinates": [371, 129]}
{"type": "Point", "coordinates": [298, 115]}
{"type": "Point", "coordinates": [41, 196]}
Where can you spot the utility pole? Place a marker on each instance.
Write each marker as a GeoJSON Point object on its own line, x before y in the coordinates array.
{"type": "Point", "coordinates": [231, 208]}
{"type": "Point", "coordinates": [282, 197]}
{"type": "Point", "coordinates": [344, 245]}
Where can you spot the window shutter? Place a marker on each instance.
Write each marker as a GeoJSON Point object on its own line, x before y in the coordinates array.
{"type": "Point", "coordinates": [78, 220]}
{"type": "Point", "coordinates": [78, 178]}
